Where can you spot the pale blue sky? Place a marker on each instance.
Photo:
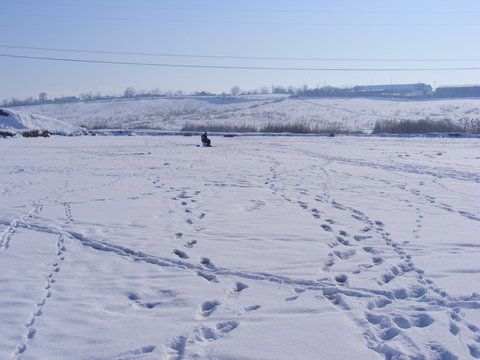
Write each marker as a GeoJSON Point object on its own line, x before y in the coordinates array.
{"type": "Point", "coordinates": [279, 28]}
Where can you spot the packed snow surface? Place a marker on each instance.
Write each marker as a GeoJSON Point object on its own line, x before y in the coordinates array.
{"type": "Point", "coordinates": [14, 121]}
{"type": "Point", "coordinates": [171, 113]}
{"type": "Point", "coordinates": [256, 248]}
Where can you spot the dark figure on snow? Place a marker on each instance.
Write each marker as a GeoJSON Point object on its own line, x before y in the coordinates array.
{"type": "Point", "coordinates": [206, 142]}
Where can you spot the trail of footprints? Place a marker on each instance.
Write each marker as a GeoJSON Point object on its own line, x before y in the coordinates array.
{"type": "Point", "coordinates": [68, 212]}
{"type": "Point", "coordinates": [385, 327]}
{"type": "Point", "coordinates": [383, 319]}
{"type": "Point", "coordinates": [12, 228]}
{"type": "Point", "coordinates": [205, 331]}
{"type": "Point", "coordinates": [49, 280]}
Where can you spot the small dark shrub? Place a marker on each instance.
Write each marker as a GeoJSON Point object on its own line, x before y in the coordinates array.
{"type": "Point", "coordinates": [35, 133]}
{"type": "Point", "coordinates": [218, 127]}
{"type": "Point", "coordinates": [424, 126]}
{"type": "Point", "coordinates": [326, 128]}
{"type": "Point", "coordinates": [5, 134]}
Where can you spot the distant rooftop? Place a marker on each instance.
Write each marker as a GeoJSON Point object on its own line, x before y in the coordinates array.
{"type": "Point", "coordinates": [403, 87]}
{"type": "Point", "coordinates": [457, 86]}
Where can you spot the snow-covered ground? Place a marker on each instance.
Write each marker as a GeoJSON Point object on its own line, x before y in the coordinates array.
{"type": "Point", "coordinates": [172, 113]}
{"type": "Point", "coordinates": [15, 121]}
{"type": "Point", "coordinates": [257, 248]}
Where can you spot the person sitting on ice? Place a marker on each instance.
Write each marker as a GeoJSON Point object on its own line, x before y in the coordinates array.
{"type": "Point", "coordinates": [206, 142]}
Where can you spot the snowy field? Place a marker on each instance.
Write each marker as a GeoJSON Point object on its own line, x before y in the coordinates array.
{"type": "Point", "coordinates": [172, 113]}
{"type": "Point", "coordinates": [257, 248]}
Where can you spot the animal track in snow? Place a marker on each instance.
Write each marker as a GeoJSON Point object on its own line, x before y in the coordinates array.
{"type": "Point", "coordinates": [68, 212]}
{"type": "Point", "coordinates": [47, 293]}
{"type": "Point", "coordinates": [12, 228]}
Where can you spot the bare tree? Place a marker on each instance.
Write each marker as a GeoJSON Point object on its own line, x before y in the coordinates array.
{"type": "Point", "coordinates": [235, 90]}
{"type": "Point", "coordinates": [129, 92]}
{"type": "Point", "coordinates": [42, 97]}
{"type": "Point", "coordinates": [264, 90]}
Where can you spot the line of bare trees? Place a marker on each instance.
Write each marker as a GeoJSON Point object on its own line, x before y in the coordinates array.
{"type": "Point", "coordinates": [130, 93]}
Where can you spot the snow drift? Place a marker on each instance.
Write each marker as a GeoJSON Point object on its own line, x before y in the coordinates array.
{"type": "Point", "coordinates": [14, 121]}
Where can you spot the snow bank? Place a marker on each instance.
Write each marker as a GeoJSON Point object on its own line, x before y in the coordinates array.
{"type": "Point", "coordinates": [171, 113]}
{"type": "Point", "coordinates": [14, 121]}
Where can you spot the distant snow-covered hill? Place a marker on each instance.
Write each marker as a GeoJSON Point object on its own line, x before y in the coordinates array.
{"type": "Point", "coordinates": [171, 113]}
{"type": "Point", "coordinates": [15, 121]}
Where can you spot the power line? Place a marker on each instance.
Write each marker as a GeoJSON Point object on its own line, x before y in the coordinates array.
{"type": "Point", "coordinates": [161, 54]}
{"type": "Point", "coordinates": [189, 21]}
{"type": "Point", "coordinates": [271, 10]}
{"type": "Point", "coordinates": [234, 67]}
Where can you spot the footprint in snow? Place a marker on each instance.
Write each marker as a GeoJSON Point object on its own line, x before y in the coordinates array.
{"type": "Point", "coordinates": [343, 241]}
{"type": "Point", "coordinates": [180, 254]}
{"type": "Point", "coordinates": [189, 244]}
{"type": "Point", "coordinates": [326, 227]}
{"type": "Point", "coordinates": [454, 329]}
{"type": "Point", "coordinates": [176, 349]}
{"type": "Point", "coordinates": [207, 263]}
{"type": "Point", "coordinates": [136, 352]}
{"type": "Point", "coordinates": [361, 237]}
{"type": "Point", "coordinates": [203, 334]}
{"type": "Point", "coordinates": [206, 309]}
{"type": "Point", "coordinates": [208, 277]}
{"type": "Point", "coordinates": [238, 287]}
{"type": "Point", "coordinates": [341, 279]}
